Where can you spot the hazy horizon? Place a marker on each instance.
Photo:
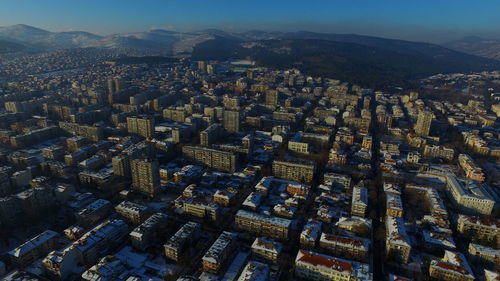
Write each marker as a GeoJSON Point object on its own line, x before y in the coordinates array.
{"type": "Point", "coordinates": [428, 21]}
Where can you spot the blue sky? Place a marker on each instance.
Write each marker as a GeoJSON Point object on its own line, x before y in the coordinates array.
{"type": "Point", "coordinates": [426, 20]}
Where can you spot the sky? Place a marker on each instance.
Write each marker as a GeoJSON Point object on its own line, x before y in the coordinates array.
{"type": "Point", "coordinates": [420, 20]}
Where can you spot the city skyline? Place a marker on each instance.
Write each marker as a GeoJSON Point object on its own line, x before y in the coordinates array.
{"type": "Point", "coordinates": [422, 21]}
{"type": "Point", "coordinates": [249, 140]}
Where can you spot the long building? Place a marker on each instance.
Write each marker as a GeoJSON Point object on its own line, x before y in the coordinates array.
{"type": "Point", "coordinates": [262, 225]}
{"type": "Point", "coordinates": [219, 253]}
{"type": "Point", "coordinates": [452, 267]}
{"type": "Point", "coordinates": [480, 227]}
{"type": "Point", "coordinates": [314, 266]}
{"type": "Point", "coordinates": [355, 248]}
{"type": "Point", "coordinates": [34, 248]}
{"type": "Point", "coordinates": [397, 243]}
{"type": "Point", "coordinates": [90, 132]}
{"type": "Point", "coordinates": [471, 196]}
{"type": "Point", "coordinates": [301, 172]}
{"type": "Point", "coordinates": [216, 159]}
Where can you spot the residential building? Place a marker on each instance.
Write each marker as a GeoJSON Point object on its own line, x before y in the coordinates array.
{"type": "Point", "coordinates": [134, 212]}
{"type": "Point", "coordinates": [452, 267]}
{"type": "Point", "coordinates": [314, 266]}
{"type": "Point", "coordinates": [145, 176]}
{"type": "Point", "coordinates": [483, 253]}
{"type": "Point", "coordinates": [397, 242]}
{"type": "Point", "coordinates": [211, 134]}
{"type": "Point", "coordinates": [424, 122]}
{"type": "Point", "coordinates": [436, 151]}
{"type": "Point", "coordinates": [353, 248]}
{"type": "Point", "coordinates": [181, 240]}
{"type": "Point", "coordinates": [143, 126]}
{"type": "Point", "coordinates": [394, 205]}
{"type": "Point", "coordinates": [231, 121]}
{"type": "Point", "coordinates": [470, 168]}
{"type": "Point", "coordinates": [143, 235]}
{"type": "Point", "coordinates": [471, 196]}
{"type": "Point", "coordinates": [295, 171]}
{"type": "Point", "coordinates": [219, 253]}
{"type": "Point", "coordinates": [267, 249]}
{"type": "Point", "coordinates": [216, 159]}
{"type": "Point", "coordinates": [33, 249]}
{"type": "Point", "coordinates": [310, 234]}
{"type": "Point", "coordinates": [254, 271]}
{"type": "Point", "coordinates": [481, 227]}
{"type": "Point", "coordinates": [359, 201]}
{"type": "Point", "coordinates": [258, 224]}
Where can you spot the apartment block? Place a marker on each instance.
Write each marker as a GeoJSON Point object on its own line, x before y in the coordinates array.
{"type": "Point", "coordinates": [89, 132]}
{"type": "Point", "coordinates": [452, 267]}
{"type": "Point", "coordinates": [295, 171]}
{"type": "Point", "coordinates": [134, 212]}
{"type": "Point", "coordinates": [216, 159]}
{"type": "Point", "coordinates": [397, 243]}
{"type": "Point", "coordinates": [471, 196]}
{"type": "Point", "coordinates": [219, 253]}
{"type": "Point", "coordinates": [145, 233]}
{"type": "Point", "coordinates": [145, 176]}
{"type": "Point", "coordinates": [359, 201]}
{"type": "Point", "coordinates": [314, 266]}
{"type": "Point", "coordinates": [262, 225]}
{"type": "Point", "coordinates": [181, 240]}
{"type": "Point", "coordinates": [481, 227]}
{"type": "Point", "coordinates": [143, 126]}
{"type": "Point", "coordinates": [267, 249]}
{"type": "Point", "coordinates": [33, 249]}
{"type": "Point", "coordinates": [354, 248]}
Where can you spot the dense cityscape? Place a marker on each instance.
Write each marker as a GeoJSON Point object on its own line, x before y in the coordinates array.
{"type": "Point", "coordinates": [223, 170]}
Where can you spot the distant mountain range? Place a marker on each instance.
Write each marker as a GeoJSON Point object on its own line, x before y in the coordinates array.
{"type": "Point", "coordinates": [363, 59]}
{"type": "Point", "coordinates": [162, 42]}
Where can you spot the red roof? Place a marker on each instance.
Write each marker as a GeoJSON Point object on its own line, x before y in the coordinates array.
{"type": "Point", "coordinates": [321, 260]}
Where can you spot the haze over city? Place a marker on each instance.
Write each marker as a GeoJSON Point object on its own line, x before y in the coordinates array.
{"type": "Point", "coordinates": [429, 21]}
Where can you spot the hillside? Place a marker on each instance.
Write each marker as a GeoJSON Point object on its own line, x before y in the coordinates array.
{"type": "Point", "coordinates": [10, 47]}
{"type": "Point", "coordinates": [370, 66]}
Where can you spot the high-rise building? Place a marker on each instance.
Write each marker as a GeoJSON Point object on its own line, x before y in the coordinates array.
{"type": "Point", "coordinates": [232, 121]}
{"type": "Point", "coordinates": [359, 201]}
{"type": "Point", "coordinates": [145, 176]}
{"type": "Point", "coordinates": [144, 126]}
{"type": "Point", "coordinates": [210, 134]}
{"type": "Point", "coordinates": [272, 97]}
{"type": "Point", "coordinates": [424, 122]}
{"type": "Point", "coordinates": [201, 65]}
{"type": "Point", "coordinates": [121, 166]}
{"type": "Point", "coordinates": [210, 69]}
{"type": "Point", "coordinates": [111, 86]}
